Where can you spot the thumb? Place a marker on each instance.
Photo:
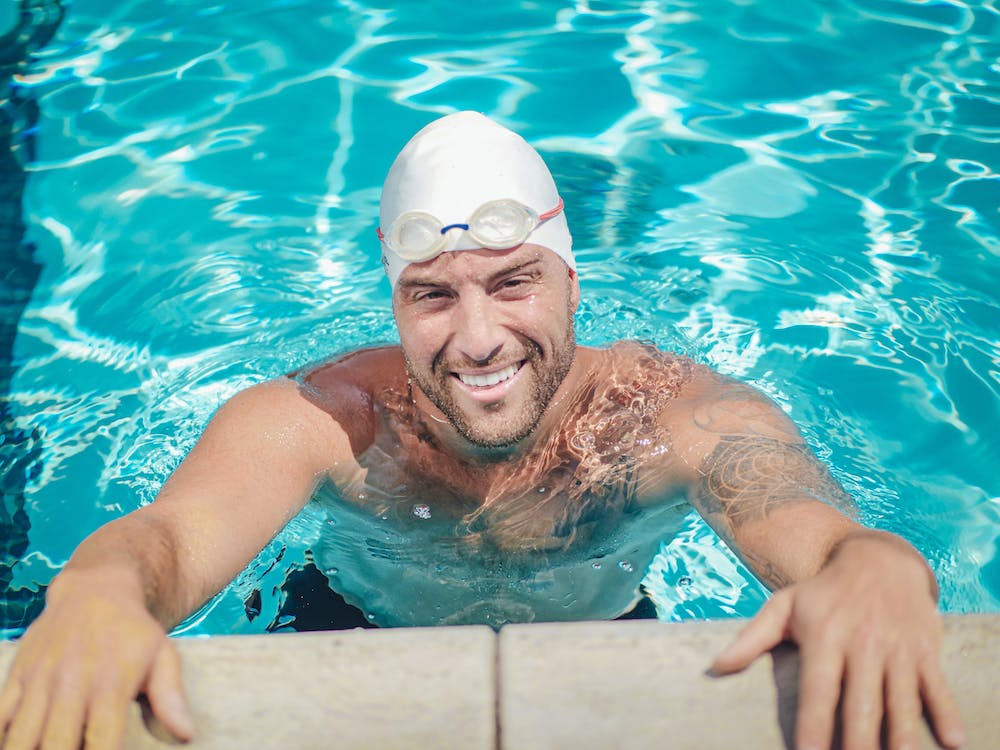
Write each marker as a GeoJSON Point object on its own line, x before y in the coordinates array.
{"type": "Point", "coordinates": [165, 692]}
{"type": "Point", "coordinates": [764, 632]}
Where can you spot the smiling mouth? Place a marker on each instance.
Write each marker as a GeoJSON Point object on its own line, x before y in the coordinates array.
{"type": "Point", "coordinates": [489, 379]}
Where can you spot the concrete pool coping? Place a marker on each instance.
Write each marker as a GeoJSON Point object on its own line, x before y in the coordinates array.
{"type": "Point", "coordinates": [626, 684]}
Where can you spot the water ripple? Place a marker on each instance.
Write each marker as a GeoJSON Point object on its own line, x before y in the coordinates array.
{"type": "Point", "coordinates": [752, 187]}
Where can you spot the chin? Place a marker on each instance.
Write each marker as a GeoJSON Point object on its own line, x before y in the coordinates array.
{"type": "Point", "coordinates": [504, 433]}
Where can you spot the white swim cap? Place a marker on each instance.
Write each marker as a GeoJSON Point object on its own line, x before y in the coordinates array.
{"type": "Point", "coordinates": [460, 162]}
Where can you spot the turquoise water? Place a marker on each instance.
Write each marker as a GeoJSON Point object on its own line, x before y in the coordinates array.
{"type": "Point", "coordinates": [802, 195]}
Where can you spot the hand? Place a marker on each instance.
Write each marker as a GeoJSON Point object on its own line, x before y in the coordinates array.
{"type": "Point", "coordinates": [865, 625]}
{"type": "Point", "coordinates": [89, 654]}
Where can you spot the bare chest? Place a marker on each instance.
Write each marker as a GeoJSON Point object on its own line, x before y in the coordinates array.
{"type": "Point", "coordinates": [610, 439]}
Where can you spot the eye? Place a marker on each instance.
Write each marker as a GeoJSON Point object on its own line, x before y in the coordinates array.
{"type": "Point", "coordinates": [515, 285]}
{"type": "Point", "coordinates": [430, 295]}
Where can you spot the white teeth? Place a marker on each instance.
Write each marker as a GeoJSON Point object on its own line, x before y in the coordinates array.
{"type": "Point", "coordinates": [483, 381]}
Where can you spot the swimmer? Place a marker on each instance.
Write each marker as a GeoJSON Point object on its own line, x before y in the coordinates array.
{"type": "Point", "coordinates": [527, 452]}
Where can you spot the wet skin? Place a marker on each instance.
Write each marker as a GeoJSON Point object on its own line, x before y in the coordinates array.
{"type": "Point", "coordinates": [492, 399]}
{"type": "Point", "coordinates": [488, 339]}
{"type": "Point", "coordinates": [562, 530]}
{"type": "Point", "coordinates": [735, 455]}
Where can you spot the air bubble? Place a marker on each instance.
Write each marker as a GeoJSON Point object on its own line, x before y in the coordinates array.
{"type": "Point", "coordinates": [596, 565]}
{"type": "Point", "coordinates": [421, 510]}
{"type": "Point", "coordinates": [684, 581]}
{"type": "Point", "coordinates": [332, 571]}
{"type": "Point", "coordinates": [626, 566]}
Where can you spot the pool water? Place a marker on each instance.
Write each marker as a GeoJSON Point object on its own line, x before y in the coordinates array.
{"type": "Point", "coordinates": [804, 196]}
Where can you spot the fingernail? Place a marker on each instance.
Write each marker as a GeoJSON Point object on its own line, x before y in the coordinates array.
{"type": "Point", "coordinates": [955, 738]}
{"type": "Point", "coordinates": [181, 716]}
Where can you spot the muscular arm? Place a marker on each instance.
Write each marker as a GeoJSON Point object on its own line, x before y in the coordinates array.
{"type": "Point", "coordinates": [756, 482]}
{"type": "Point", "coordinates": [101, 638]}
{"type": "Point", "coordinates": [760, 492]}
{"type": "Point", "coordinates": [253, 468]}
{"type": "Point", "coordinates": [859, 603]}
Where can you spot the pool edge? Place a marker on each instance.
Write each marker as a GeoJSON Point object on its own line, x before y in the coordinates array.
{"type": "Point", "coordinates": [553, 685]}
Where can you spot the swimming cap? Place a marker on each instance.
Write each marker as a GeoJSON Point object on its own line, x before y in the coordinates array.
{"type": "Point", "coordinates": [457, 163]}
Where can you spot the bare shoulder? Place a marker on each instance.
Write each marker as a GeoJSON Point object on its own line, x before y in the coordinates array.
{"type": "Point", "coordinates": [638, 363]}
{"type": "Point", "coordinates": [274, 412]}
{"type": "Point", "coordinates": [738, 443]}
{"type": "Point", "coordinates": [362, 369]}
{"type": "Point", "coordinates": [347, 387]}
{"type": "Point", "coordinates": [686, 395]}
{"type": "Point", "coordinates": [716, 404]}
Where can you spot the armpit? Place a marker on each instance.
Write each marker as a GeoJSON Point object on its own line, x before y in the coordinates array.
{"type": "Point", "coordinates": [747, 477]}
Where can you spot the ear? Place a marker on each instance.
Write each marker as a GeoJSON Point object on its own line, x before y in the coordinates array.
{"type": "Point", "coordinates": [574, 292]}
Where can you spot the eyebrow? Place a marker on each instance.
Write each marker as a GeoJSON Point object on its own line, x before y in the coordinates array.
{"type": "Point", "coordinates": [430, 281]}
{"type": "Point", "coordinates": [516, 268]}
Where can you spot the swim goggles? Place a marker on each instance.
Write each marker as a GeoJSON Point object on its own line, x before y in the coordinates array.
{"type": "Point", "coordinates": [417, 236]}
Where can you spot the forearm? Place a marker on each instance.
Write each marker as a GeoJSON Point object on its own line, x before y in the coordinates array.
{"type": "Point", "coordinates": [860, 603]}
{"type": "Point", "coordinates": [255, 466]}
{"type": "Point", "coordinates": [803, 539]}
{"type": "Point", "coordinates": [133, 557]}
{"type": "Point", "coordinates": [869, 637]}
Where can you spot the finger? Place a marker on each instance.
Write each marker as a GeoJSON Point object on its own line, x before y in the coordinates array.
{"type": "Point", "coordinates": [764, 632]}
{"type": "Point", "coordinates": [65, 728]}
{"type": "Point", "coordinates": [902, 698]}
{"type": "Point", "coordinates": [26, 727]}
{"type": "Point", "coordinates": [946, 719]}
{"type": "Point", "coordinates": [106, 721]}
{"type": "Point", "coordinates": [862, 705]}
{"type": "Point", "coordinates": [822, 671]}
{"type": "Point", "coordinates": [165, 692]}
{"type": "Point", "coordinates": [10, 698]}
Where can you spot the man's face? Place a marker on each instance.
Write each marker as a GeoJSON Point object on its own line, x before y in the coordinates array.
{"type": "Point", "coordinates": [488, 337]}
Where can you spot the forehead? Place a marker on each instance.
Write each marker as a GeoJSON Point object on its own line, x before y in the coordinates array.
{"type": "Point", "coordinates": [458, 265]}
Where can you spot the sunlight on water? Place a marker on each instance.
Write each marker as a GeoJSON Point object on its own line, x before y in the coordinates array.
{"type": "Point", "coordinates": [752, 187]}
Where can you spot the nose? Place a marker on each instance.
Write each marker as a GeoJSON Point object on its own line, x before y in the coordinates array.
{"type": "Point", "coordinates": [477, 331]}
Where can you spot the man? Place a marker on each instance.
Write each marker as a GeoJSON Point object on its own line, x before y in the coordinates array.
{"type": "Point", "coordinates": [531, 470]}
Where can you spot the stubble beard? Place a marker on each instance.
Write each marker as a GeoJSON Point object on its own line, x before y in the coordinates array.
{"type": "Point", "coordinates": [511, 430]}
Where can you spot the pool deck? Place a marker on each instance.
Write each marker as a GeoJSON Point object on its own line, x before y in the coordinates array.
{"type": "Point", "coordinates": [627, 684]}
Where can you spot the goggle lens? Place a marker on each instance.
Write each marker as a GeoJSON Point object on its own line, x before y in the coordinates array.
{"type": "Point", "coordinates": [417, 236]}
{"type": "Point", "coordinates": [501, 224]}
